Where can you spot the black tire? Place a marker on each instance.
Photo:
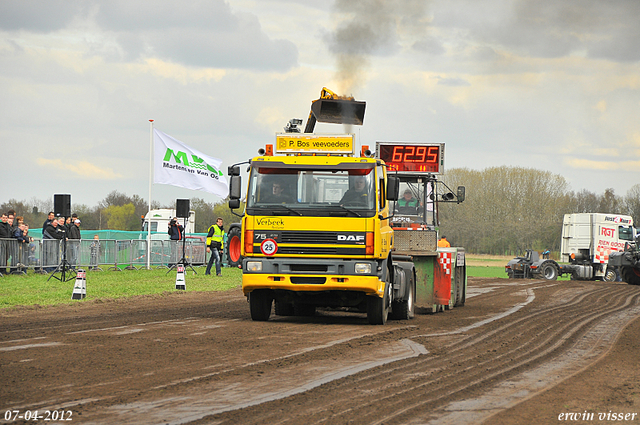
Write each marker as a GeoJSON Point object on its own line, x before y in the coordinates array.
{"type": "Point", "coordinates": [548, 271]}
{"type": "Point", "coordinates": [233, 247]}
{"type": "Point", "coordinates": [630, 275]}
{"type": "Point", "coordinates": [305, 310]}
{"type": "Point", "coordinates": [260, 305]}
{"type": "Point", "coordinates": [378, 308]}
{"type": "Point", "coordinates": [283, 309]}
{"type": "Point", "coordinates": [405, 309]}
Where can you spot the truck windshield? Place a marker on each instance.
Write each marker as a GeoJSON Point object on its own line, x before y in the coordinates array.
{"type": "Point", "coordinates": [287, 191]}
{"type": "Point", "coordinates": [625, 233]}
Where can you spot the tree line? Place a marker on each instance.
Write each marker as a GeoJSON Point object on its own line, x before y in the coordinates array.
{"type": "Point", "coordinates": [507, 210]}
{"type": "Point", "coordinates": [117, 211]}
{"type": "Point", "coordinates": [510, 209]}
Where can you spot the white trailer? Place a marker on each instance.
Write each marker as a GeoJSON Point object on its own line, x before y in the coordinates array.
{"type": "Point", "coordinates": [160, 219]}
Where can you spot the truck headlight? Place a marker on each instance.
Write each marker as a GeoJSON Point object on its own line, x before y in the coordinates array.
{"type": "Point", "coordinates": [254, 266]}
{"type": "Point", "coordinates": [363, 268]}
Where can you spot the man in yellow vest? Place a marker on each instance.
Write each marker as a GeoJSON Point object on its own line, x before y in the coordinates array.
{"type": "Point", "coordinates": [215, 241]}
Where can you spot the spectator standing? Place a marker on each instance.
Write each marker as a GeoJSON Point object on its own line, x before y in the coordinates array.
{"type": "Point", "coordinates": [11, 214]}
{"type": "Point", "coordinates": [74, 242]}
{"type": "Point", "coordinates": [22, 248]}
{"type": "Point", "coordinates": [12, 247]}
{"type": "Point", "coordinates": [176, 233]}
{"type": "Point", "coordinates": [53, 234]}
{"type": "Point", "coordinates": [49, 219]}
{"type": "Point", "coordinates": [95, 253]}
{"type": "Point", "coordinates": [215, 244]}
{"type": "Point", "coordinates": [5, 235]}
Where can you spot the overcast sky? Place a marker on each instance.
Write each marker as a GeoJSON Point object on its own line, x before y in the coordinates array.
{"type": "Point", "coordinates": [549, 85]}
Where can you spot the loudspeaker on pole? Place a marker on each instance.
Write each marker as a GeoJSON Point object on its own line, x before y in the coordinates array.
{"type": "Point", "coordinates": [182, 208]}
{"type": "Point", "coordinates": [80, 287]}
{"type": "Point", "coordinates": [180, 282]}
{"type": "Point", "coordinates": [62, 205]}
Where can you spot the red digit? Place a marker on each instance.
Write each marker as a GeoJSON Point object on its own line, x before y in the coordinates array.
{"type": "Point", "coordinates": [421, 153]}
{"type": "Point", "coordinates": [397, 156]}
{"type": "Point", "coordinates": [433, 154]}
{"type": "Point", "coordinates": [410, 151]}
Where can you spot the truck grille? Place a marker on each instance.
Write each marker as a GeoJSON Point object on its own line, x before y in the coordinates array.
{"type": "Point", "coordinates": [308, 237]}
{"type": "Point", "coordinates": [347, 243]}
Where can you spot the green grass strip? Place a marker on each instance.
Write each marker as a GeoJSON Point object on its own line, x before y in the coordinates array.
{"type": "Point", "coordinates": [37, 289]}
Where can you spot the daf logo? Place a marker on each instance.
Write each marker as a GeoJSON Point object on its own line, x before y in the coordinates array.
{"type": "Point", "coordinates": [351, 238]}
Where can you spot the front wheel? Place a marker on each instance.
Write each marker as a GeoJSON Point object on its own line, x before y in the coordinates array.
{"type": "Point", "coordinates": [260, 305]}
{"type": "Point", "coordinates": [378, 308]}
{"type": "Point", "coordinates": [611, 275]}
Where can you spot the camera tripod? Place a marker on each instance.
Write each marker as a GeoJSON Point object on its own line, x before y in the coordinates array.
{"type": "Point", "coordinates": [183, 260]}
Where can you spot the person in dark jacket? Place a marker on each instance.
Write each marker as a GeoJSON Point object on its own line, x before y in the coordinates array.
{"type": "Point", "coordinates": [176, 233]}
{"type": "Point", "coordinates": [49, 219]}
{"type": "Point", "coordinates": [358, 195]}
{"type": "Point", "coordinates": [22, 249]}
{"type": "Point", "coordinates": [5, 235]}
{"type": "Point", "coordinates": [53, 234]}
{"type": "Point", "coordinates": [73, 246]}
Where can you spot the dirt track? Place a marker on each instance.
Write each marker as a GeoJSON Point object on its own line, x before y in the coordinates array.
{"type": "Point", "coordinates": [519, 352]}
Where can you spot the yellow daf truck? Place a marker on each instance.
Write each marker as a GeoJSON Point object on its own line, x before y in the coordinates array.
{"type": "Point", "coordinates": [316, 231]}
{"type": "Point", "coordinates": [318, 224]}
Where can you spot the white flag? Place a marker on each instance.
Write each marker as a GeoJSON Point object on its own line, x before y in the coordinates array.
{"type": "Point", "coordinates": [179, 165]}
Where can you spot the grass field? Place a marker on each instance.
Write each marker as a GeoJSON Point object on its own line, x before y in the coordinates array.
{"type": "Point", "coordinates": [37, 289]}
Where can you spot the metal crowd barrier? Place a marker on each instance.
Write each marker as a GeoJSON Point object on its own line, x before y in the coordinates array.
{"type": "Point", "coordinates": [45, 255]}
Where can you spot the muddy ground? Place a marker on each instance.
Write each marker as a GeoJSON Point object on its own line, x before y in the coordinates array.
{"type": "Point", "coordinates": [518, 352]}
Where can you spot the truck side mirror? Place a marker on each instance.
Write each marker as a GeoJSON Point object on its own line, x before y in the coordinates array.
{"type": "Point", "coordinates": [393, 188]}
{"type": "Point", "coordinates": [235, 191]}
{"type": "Point", "coordinates": [233, 170]}
{"type": "Point", "coordinates": [461, 193]}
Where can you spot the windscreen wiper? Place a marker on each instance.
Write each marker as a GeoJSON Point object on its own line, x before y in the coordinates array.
{"type": "Point", "coordinates": [275, 207]}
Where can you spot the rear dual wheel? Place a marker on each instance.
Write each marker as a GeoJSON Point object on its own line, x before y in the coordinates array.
{"type": "Point", "coordinates": [405, 309]}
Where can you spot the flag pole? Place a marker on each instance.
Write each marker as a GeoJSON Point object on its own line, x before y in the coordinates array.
{"type": "Point", "coordinates": [150, 183]}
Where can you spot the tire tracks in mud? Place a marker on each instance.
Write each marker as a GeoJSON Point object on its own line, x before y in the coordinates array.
{"type": "Point", "coordinates": [461, 365]}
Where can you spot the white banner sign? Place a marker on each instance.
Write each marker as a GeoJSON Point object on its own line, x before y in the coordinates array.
{"type": "Point", "coordinates": [179, 165]}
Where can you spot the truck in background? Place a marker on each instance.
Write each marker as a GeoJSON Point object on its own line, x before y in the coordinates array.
{"type": "Point", "coordinates": [160, 219]}
{"type": "Point", "coordinates": [588, 240]}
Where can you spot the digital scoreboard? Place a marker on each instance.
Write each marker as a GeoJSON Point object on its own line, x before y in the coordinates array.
{"type": "Point", "coordinates": [414, 158]}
